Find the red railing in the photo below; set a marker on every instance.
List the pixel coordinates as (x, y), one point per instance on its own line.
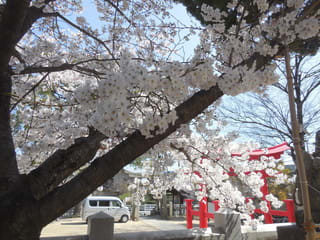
(289, 213)
(204, 215)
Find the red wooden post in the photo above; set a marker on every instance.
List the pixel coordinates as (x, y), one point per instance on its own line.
(216, 205)
(264, 189)
(203, 213)
(268, 216)
(290, 208)
(189, 212)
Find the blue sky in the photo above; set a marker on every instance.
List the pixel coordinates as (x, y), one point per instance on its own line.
(178, 11)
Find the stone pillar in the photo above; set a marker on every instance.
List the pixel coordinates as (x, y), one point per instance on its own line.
(170, 209)
(228, 223)
(135, 215)
(291, 232)
(100, 226)
(164, 207)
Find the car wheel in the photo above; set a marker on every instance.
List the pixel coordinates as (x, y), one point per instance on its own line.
(124, 219)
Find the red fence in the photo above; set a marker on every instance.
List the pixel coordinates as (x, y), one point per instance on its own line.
(204, 215)
(289, 213)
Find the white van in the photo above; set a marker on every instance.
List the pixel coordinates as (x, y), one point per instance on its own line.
(110, 205)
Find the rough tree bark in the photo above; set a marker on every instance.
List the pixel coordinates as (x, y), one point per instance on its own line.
(29, 202)
(31, 205)
(9, 29)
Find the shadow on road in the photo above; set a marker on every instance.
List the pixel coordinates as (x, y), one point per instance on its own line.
(73, 223)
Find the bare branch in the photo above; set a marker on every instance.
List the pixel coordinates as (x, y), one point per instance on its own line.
(86, 33)
(121, 13)
(182, 150)
(29, 91)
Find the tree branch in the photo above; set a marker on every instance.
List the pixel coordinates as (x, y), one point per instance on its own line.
(310, 90)
(109, 164)
(182, 150)
(119, 10)
(30, 90)
(63, 163)
(86, 33)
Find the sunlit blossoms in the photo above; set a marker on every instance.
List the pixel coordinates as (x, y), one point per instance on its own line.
(204, 164)
(87, 87)
(96, 78)
(124, 72)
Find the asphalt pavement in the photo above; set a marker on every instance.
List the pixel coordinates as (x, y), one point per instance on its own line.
(75, 226)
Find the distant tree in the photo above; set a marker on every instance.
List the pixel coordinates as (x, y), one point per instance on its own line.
(285, 190)
(302, 46)
(265, 117)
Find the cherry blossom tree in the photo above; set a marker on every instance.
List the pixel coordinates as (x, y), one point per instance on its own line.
(80, 100)
(204, 164)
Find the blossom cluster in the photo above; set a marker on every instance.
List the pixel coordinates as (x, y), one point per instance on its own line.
(203, 168)
(125, 75)
(244, 40)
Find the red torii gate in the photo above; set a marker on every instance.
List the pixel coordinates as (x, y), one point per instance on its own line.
(204, 215)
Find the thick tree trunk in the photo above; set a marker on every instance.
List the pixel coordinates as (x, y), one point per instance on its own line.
(35, 200)
(22, 229)
(30, 206)
(18, 210)
(20, 214)
(8, 165)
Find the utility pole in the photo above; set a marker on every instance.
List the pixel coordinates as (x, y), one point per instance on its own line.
(308, 221)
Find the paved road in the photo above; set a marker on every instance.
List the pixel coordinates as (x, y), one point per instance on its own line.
(75, 226)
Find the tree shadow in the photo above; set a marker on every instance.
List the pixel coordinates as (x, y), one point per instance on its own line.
(73, 223)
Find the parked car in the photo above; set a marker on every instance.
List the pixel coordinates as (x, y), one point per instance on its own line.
(112, 206)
